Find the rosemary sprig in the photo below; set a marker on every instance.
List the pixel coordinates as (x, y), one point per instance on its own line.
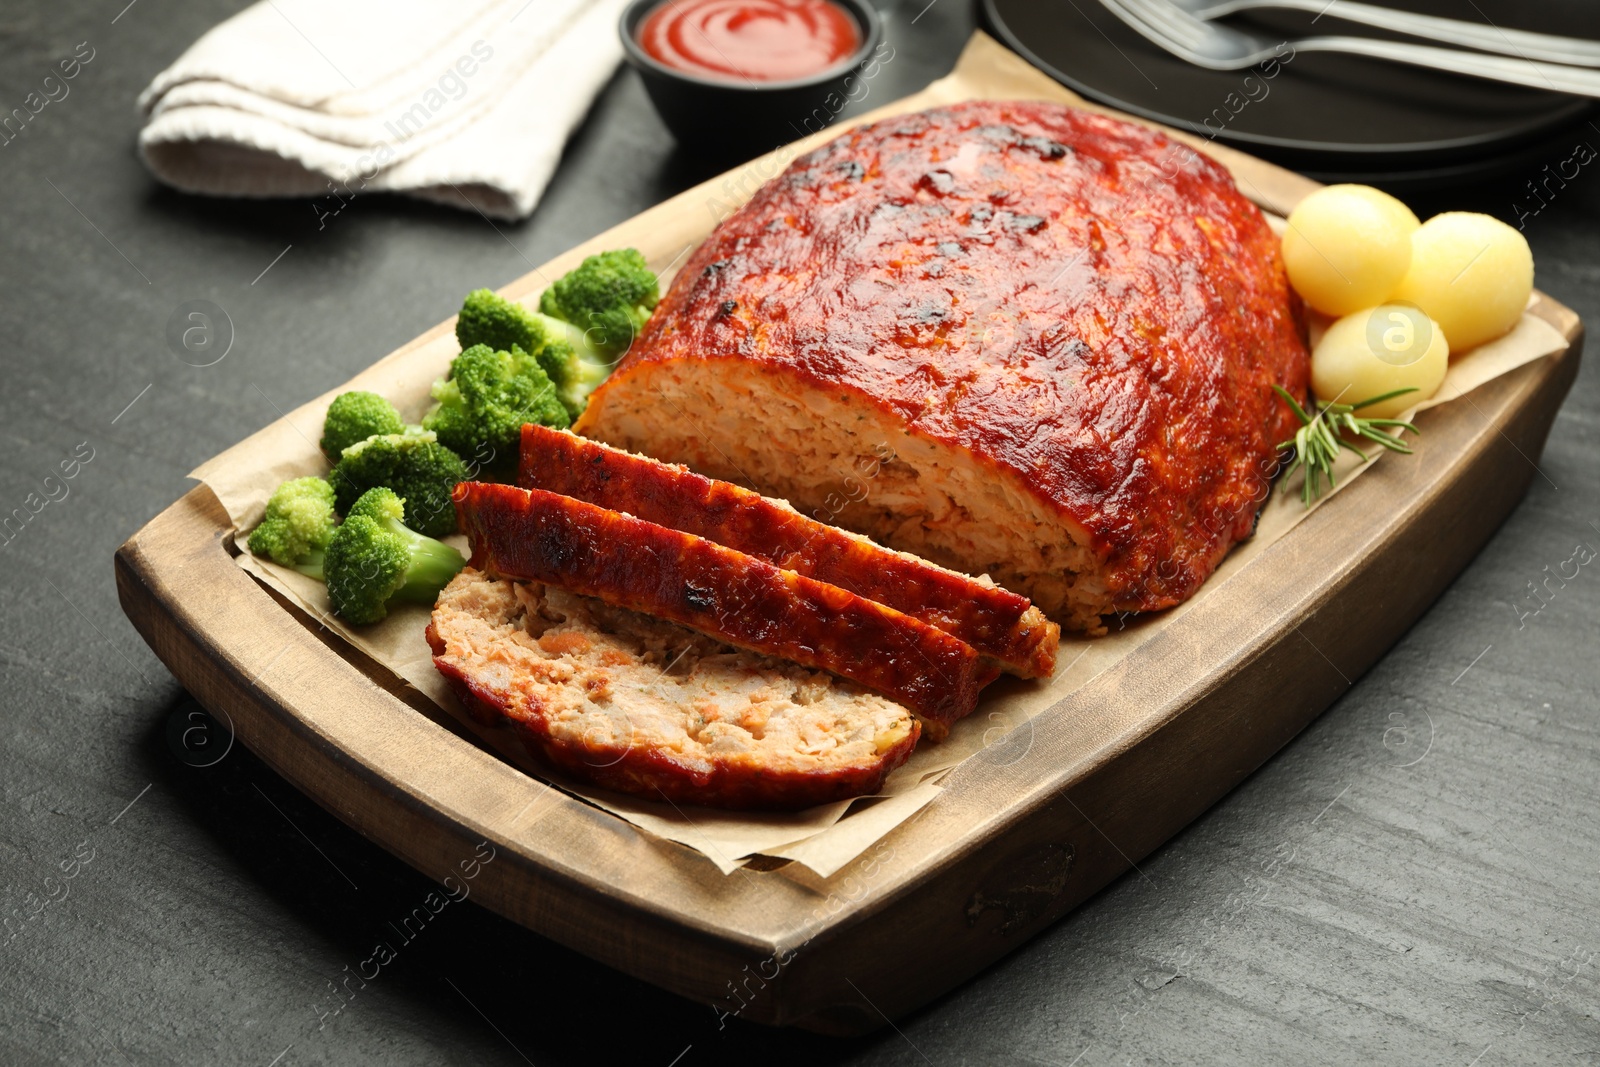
(1323, 435)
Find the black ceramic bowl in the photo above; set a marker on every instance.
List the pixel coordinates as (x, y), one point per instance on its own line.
(741, 118)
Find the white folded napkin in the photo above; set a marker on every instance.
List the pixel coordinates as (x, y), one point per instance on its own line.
(466, 103)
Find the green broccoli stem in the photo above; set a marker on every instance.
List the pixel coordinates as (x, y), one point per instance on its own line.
(591, 367)
(433, 564)
(590, 358)
(591, 372)
(311, 565)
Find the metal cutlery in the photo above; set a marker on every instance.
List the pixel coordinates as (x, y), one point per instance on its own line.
(1219, 47)
(1488, 38)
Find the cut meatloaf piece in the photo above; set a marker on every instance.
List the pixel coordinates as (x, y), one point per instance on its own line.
(1001, 625)
(1064, 327)
(641, 705)
(531, 535)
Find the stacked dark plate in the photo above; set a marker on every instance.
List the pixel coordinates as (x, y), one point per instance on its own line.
(1334, 117)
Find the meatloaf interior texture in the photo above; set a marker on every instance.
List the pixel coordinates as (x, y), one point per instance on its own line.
(1014, 338)
(638, 704)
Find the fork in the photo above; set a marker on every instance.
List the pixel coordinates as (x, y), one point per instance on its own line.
(1217, 47)
(1521, 43)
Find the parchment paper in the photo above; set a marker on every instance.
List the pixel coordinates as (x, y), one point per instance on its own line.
(826, 838)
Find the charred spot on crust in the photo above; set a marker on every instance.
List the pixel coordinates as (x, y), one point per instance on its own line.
(699, 599)
(1045, 147)
(938, 181)
(851, 169)
(559, 550)
(1009, 136)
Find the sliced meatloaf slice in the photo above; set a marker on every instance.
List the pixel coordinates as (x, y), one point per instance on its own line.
(641, 705)
(1001, 625)
(531, 535)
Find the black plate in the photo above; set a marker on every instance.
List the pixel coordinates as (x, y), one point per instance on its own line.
(1333, 116)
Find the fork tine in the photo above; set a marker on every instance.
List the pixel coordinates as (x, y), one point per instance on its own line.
(1136, 20)
(1219, 47)
(1174, 23)
(1175, 15)
(1178, 23)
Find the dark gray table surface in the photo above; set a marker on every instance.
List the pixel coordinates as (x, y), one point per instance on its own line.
(1412, 881)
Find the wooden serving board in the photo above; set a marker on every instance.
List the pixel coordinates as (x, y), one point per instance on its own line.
(1019, 836)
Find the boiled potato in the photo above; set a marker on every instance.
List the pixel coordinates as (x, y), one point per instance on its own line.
(1471, 274)
(1347, 247)
(1372, 352)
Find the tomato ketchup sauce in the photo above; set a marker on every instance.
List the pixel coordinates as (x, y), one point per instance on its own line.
(750, 40)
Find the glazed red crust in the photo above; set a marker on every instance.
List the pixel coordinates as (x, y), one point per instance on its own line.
(518, 730)
(532, 535)
(1132, 305)
(1001, 625)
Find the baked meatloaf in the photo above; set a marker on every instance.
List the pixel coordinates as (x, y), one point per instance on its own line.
(1063, 327)
(641, 705)
(1002, 626)
(532, 535)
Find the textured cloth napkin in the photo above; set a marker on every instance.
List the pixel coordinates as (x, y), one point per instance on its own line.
(467, 102)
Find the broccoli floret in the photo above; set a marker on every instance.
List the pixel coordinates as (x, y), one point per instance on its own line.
(374, 558)
(488, 319)
(356, 416)
(297, 526)
(415, 465)
(602, 305)
(488, 396)
(608, 297)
